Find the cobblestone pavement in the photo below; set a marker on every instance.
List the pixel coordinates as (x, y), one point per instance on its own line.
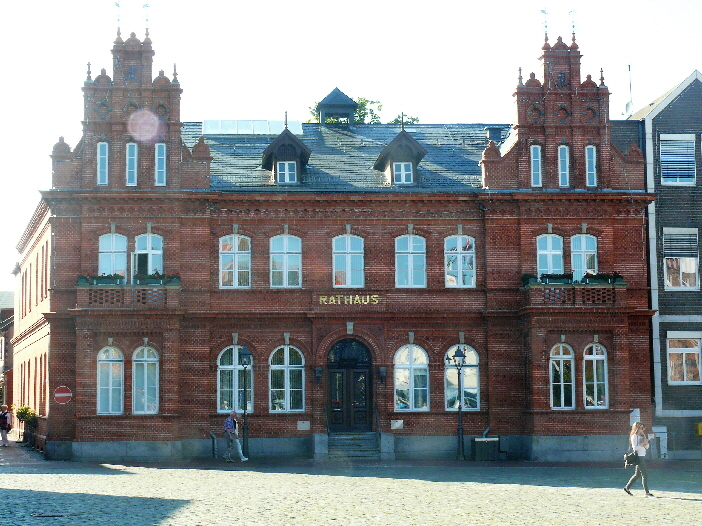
(303, 492)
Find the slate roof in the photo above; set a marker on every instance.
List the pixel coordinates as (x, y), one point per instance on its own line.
(343, 157)
(7, 299)
(624, 132)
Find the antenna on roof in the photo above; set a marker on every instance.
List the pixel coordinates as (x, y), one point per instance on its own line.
(572, 19)
(286, 120)
(118, 14)
(630, 104)
(402, 121)
(545, 13)
(146, 17)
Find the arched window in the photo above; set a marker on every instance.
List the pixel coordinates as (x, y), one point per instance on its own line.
(110, 384)
(459, 261)
(549, 254)
(595, 377)
(147, 257)
(562, 377)
(112, 258)
(410, 262)
(287, 379)
(583, 255)
(230, 381)
(145, 381)
(470, 373)
(411, 379)
(235, 262)
(286, 262)
(348, 261)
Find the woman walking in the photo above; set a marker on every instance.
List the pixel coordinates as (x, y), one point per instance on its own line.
(639, 443)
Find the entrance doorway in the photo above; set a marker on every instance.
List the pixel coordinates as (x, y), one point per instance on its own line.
(349, 403)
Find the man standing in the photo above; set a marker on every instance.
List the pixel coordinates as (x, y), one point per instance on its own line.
(231, 432)
(5, 424)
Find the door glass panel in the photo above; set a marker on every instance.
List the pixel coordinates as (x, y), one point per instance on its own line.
(359, 390)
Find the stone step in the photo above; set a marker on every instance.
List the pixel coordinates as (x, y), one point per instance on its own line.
(356, 445)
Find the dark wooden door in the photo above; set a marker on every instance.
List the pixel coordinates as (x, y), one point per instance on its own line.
(349, 399)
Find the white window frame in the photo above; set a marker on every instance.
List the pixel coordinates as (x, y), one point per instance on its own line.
(563, 166)
(459, 262)
(414, 260)
(535, 164)
(230, 380)
(348, 261)
(591, 166)
(470, 373)
(286, 172)
(562, 356)
(103, 152)
(403, 173)
(235, 261)
(107, 359)
(692, 336)
(677, 159)
(415, 368)
(288, 369)
(111, 258)
(553, 256)
(154, 256)
(289, 260)
(599, 378)
(132, 163)
(160, 160)
(583, 259)
(142, 367)
(681, 249)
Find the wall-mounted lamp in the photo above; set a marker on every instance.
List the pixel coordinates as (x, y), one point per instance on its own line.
(382, 373)
(318, 371)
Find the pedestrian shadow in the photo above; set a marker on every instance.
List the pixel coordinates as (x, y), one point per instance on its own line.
(42, 508)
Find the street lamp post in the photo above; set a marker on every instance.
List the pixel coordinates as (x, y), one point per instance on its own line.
(459, 360)
(245, 360)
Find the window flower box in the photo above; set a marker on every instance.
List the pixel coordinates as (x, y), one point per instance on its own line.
(557, 279)
(602, 277)
(155, 279)
(104, 279)
(529, 278)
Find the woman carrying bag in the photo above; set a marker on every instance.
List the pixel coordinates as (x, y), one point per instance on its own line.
(639, 443)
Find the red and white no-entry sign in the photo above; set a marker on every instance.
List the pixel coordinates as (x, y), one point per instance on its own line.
(62, 394)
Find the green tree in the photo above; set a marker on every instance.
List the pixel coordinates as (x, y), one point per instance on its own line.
(367, 112)
(407, 120)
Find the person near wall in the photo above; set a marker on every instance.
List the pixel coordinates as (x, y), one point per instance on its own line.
(5, 424)
(231, 432)
(639, 443)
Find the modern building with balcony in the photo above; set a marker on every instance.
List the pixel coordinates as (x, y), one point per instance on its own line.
(352, 261)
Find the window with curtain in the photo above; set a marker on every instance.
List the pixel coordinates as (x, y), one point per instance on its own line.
(680, 258)
(230, 381)
(562, 377)
(583, 255)
(677, 159)
(287, 380)
(684, 358)
(110, 385)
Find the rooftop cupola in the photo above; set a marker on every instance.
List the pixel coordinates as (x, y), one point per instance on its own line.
(337, 107)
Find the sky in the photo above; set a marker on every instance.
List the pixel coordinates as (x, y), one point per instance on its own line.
(445, 61)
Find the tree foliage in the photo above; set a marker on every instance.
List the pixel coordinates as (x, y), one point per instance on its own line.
(367, 112)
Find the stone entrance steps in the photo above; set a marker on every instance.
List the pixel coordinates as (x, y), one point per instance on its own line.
(354, 445)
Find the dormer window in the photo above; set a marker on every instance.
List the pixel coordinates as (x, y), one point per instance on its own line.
(286, 172)
(402, 173)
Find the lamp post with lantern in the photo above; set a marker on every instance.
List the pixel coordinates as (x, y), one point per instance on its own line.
(458, 361)
(245, 358)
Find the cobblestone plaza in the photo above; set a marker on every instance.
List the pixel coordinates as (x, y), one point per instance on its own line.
(37, 492)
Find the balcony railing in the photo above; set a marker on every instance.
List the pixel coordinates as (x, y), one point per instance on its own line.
(569, 294)
(128, 296)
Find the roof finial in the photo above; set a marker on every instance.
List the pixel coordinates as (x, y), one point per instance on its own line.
(146, 18)
(402, 121)
(602, 77)
(545, 13)
(286, 120)
(119, 11)
(89, 78)
(520, 77)
(175, 73)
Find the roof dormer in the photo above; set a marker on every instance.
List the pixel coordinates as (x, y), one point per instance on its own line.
(286, 157)
(337, 107)
(400, 158)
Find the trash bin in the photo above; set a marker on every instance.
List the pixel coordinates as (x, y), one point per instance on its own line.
(486, 448)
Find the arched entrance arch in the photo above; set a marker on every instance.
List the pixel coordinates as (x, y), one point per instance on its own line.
(349, 396)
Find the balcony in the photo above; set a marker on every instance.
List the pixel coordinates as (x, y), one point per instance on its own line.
(128, 296)
(576, 294)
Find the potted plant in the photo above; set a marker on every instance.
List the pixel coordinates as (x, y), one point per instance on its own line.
(150, 279)
(28, 416)
(529, 278)
(83, 280)
(172, 278)
(566, 277)
(602, 277)
(107, 279)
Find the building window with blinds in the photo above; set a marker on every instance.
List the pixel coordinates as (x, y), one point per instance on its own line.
(680, 258)
(678, 159)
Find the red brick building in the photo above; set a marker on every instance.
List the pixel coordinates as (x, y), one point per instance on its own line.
(352, 261)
